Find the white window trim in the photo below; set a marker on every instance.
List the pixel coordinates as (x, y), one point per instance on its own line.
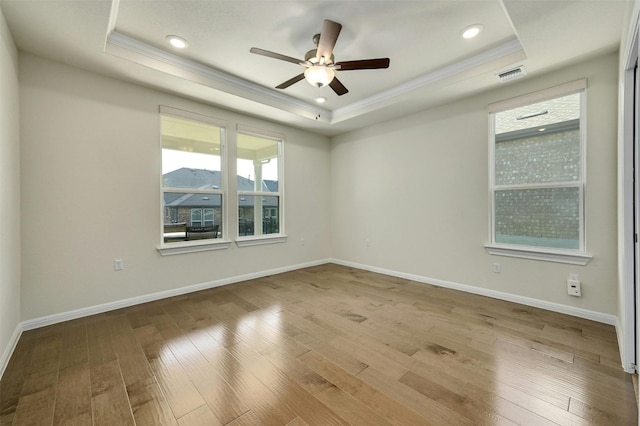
(182, 247)
(576, 257)
(548, 255)
(281, 237)
(539, 96)
(259, 240)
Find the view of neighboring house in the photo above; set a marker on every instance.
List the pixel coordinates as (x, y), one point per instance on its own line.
(205, 210)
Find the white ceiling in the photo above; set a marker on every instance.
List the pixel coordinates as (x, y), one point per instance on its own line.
(430, 62)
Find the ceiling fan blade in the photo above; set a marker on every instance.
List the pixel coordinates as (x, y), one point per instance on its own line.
(363, 64)
(338, 87)
(328, 38)
(291, 81)
(274, 55)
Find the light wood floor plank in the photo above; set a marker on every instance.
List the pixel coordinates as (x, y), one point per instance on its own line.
(326, 345)
(479, 361)
(239, 377)
(470, 408)
(465, 369)
(73, 397)
(394, 411)
(37, 399)
(201, 416)
(14, 377)
(432, 411)
(110, 403)
(222, 400)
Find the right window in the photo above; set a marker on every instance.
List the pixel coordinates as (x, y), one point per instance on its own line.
(259, 168)
(537, 176)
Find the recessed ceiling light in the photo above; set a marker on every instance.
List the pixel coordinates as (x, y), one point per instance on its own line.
(321, 100)
(472, 31)
(177, 42)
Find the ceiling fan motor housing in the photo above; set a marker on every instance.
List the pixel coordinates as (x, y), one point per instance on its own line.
(311, 56)
(320, 62)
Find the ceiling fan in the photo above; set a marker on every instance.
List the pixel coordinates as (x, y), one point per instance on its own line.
(320, 62)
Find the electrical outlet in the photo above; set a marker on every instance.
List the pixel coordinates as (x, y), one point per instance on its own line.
(368, 242)
(497, 268)
(301, 241)
(118, 265)
(573, 286)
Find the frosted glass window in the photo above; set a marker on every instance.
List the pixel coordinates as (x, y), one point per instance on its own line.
(537, 178)
(552, 156)
(547, 217)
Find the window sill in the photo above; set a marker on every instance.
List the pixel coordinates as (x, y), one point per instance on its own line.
(263, 239)
(550, 255)
(192, 246)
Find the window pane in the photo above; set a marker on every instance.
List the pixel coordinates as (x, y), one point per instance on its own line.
(540, 158)
(196, 217)
(190, 154)
(191, 159)
(208, 217)
(192, 216)
(257, 164)
(539, 114)
(258, 215)
(538, 143)
(538, 217)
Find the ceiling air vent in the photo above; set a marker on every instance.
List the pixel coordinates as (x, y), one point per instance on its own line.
(511, 74)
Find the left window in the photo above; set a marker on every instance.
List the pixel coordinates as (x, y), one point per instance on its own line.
(193, 183)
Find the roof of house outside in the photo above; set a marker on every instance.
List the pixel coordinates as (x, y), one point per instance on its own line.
(209, 179)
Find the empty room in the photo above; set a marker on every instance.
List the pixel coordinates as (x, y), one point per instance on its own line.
(307, 212)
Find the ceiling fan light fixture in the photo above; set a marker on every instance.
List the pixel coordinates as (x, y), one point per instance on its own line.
(319, 63)
(472, 31)
(177, 41)
(319, 75)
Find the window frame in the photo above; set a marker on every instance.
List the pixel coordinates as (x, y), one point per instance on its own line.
(180, 247)
(203, 216)
(280, 237)
(572, 256)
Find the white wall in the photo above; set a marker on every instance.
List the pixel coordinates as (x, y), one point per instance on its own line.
(9, 194)
(417, 189)
(91, 194)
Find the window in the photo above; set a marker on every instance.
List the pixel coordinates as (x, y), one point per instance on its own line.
(202, 217)
(193, 179)
(537, 175)
(259, 163)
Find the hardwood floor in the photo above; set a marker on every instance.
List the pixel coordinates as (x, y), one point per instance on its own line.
(327, 345)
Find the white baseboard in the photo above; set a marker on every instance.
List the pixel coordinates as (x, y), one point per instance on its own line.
(523, 300)
(106, 307)
(8, 350)
(92, 310)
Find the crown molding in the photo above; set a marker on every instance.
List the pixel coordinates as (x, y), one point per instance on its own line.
(464, 66)
(129, 48)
